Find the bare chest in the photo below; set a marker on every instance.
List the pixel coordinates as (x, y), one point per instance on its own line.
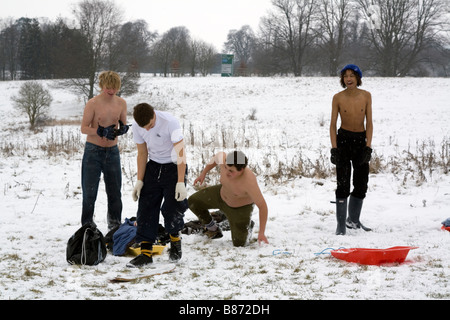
(353, 106)
(107, 114)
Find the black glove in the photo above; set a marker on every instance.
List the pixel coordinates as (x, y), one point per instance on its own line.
(108, 132)
(123, 128)
(335, 155)
(366, 155)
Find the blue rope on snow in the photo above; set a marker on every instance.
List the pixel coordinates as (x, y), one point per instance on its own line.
(322, 252)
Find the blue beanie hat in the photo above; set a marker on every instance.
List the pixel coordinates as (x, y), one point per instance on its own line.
(354, 68)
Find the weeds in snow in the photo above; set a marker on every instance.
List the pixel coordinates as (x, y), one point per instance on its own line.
(273, 163)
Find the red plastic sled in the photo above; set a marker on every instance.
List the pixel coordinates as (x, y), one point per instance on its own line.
(445, 228)
(373, 256)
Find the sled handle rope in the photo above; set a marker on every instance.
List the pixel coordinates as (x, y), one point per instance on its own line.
(323, 251)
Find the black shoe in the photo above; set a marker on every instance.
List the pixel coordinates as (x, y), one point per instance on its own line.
(175, 251)
(141, 260)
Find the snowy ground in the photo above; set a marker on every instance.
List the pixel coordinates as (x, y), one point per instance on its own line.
(405, 205)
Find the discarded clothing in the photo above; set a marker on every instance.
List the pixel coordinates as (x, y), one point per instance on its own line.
(124, 237)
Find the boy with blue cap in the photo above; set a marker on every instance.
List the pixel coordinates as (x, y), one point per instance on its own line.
(351, 146)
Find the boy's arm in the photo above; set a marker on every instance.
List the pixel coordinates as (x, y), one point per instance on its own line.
(142, 158)
(180, 188)
(258, 199)
(181, 160)
(88, 117)
(333, 122)
(369, 123)
(217, 159)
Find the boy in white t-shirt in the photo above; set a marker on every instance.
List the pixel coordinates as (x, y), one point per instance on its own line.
(161, 174)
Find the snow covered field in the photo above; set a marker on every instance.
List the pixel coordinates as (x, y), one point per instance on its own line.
(279, 123)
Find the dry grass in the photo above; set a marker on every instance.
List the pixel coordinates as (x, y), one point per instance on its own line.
(59, 138)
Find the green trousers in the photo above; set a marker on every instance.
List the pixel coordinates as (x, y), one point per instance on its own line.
(239, 218)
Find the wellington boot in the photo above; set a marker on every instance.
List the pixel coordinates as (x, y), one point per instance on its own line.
(341, 214)
(354, 212)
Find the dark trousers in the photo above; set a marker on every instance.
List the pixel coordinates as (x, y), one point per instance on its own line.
(159, 184)
(351, 146)
(239, 218)
(95, 161)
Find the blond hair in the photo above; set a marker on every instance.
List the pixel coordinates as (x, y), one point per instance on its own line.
(109, 80)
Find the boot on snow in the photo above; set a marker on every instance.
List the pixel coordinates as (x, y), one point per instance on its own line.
(175, 252)
(341, 214)
(354, 212)
(145, 258)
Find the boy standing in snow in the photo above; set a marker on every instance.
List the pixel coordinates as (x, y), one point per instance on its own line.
(351, 145)
(161, 174)
(104, 118)
(236, 195)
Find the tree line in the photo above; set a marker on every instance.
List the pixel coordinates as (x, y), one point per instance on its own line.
(387, 38)
(295, 37)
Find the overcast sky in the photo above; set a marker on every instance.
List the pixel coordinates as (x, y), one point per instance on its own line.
(208, 20)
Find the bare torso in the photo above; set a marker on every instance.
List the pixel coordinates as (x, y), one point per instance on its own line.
(352, 109)
(234, 191)
(103, 111)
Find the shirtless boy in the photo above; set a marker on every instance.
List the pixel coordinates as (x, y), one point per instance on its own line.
(236, 196)
(104, 119)
(351, 145)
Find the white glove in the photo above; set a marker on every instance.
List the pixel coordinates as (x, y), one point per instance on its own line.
(180, 191)
(137, 190)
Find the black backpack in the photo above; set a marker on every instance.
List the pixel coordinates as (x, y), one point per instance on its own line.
(87, 246)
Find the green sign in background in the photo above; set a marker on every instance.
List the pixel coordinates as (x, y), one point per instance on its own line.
(227, 65)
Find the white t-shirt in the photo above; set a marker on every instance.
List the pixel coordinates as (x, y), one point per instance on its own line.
(161, 138)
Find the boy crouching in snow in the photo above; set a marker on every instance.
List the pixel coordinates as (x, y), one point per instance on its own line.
(236, 196)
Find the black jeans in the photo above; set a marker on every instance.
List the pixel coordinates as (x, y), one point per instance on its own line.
(159, 184)
(351, 146)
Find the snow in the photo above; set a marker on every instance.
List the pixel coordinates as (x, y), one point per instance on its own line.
(41, 194)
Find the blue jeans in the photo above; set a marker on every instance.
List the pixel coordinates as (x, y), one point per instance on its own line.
(159, 184)
(95, 161)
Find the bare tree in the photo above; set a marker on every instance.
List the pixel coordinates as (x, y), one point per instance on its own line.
(194, 51)
(128, 48)
(97, 19)
(292, 25)
(34, 100)
(402, 31)
(201, 57)
(269, 56)
(334, 16)
(171, 51)
(160, 55)
(241, 42)
(206, 58)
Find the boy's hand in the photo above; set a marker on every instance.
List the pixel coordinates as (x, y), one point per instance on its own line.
(366, 155)
(180, 191)
(137, 190)
(108, 132)
(334, 156)
(123, 128)
(262, 238)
